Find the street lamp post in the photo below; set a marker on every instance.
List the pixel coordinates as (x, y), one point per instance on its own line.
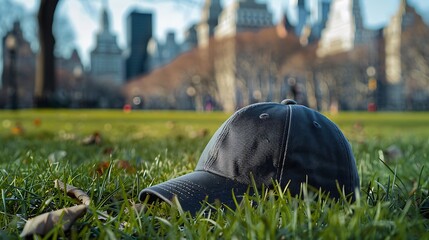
(372, 87)
(11, 45)
(78, 87)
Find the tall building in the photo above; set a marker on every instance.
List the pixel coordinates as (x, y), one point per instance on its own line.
(285, 26)
(160, 54)
(395, 84)
(322, 12)
(71, 82)
(191, 38)
(240, 16)
(107, 63)
(18, 69)
(344, 28)
(139, 33)
(171, 47)
(310, 21)
(302, 17)
(209, 20)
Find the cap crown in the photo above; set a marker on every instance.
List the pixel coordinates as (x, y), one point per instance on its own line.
(287, 143)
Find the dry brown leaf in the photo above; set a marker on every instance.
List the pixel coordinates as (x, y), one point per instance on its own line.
(393, 153)
(125, 165)
(44, 223)
(119, 164)
(73, 191)
(37, 122)
(18, 129)
(93, 139)
(108, 150)
(138, 208)
(102, 167)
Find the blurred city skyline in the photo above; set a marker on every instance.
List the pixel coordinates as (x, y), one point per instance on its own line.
(177, 16)
(333, 55)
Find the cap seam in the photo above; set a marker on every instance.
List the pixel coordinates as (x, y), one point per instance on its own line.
(221, 137)
(223, 134)
(344, 147)
(289, 117)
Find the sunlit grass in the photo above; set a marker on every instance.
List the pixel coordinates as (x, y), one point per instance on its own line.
(115, 123)
(48, 145)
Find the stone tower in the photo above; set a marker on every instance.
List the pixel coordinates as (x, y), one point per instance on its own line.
(344, 28)
(209, 20)
(106, 58)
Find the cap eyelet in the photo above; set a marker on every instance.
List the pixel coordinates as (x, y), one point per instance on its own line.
(316, 124)
(264, 116)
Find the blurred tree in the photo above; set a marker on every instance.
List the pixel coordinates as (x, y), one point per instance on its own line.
(45, 70)
(11, 11)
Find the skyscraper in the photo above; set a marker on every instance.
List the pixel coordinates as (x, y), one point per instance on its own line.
(106, 59)
(323, 11)
(191, 38)
(302, 17)
(209, 20)
(344, 28)
(139, 32)
(18, 69)
(162, 53)
(395, 82)
(240, 16)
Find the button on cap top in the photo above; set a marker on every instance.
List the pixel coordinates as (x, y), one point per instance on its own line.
(288, 102)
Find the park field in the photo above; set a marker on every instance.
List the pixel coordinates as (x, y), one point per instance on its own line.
(111, 155)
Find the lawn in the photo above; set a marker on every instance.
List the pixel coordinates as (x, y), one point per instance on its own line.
(129, 151)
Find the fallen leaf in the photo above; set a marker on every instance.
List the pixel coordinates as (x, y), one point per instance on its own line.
(73, 191)
(108, 151)
(125, 165)
(44, 223)
(203, 132)
(393, 153)
(119, 164)
(138, 208)
(56, 156)
(17, 129)
(170, 124)
(93, 139)
(103, 216)
(37, 122)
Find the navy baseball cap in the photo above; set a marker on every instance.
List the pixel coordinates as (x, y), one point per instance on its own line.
(288, 143)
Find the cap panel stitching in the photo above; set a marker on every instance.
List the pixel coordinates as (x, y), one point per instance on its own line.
(168, 190)
(287, 143)
(223, 134)
(283, 145)
(193, 184)
(214, 152)
(175, 188)
(342, 140)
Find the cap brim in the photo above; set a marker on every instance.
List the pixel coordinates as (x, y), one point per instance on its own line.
(194, 188)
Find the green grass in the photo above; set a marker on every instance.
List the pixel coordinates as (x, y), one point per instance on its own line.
(393, 200)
